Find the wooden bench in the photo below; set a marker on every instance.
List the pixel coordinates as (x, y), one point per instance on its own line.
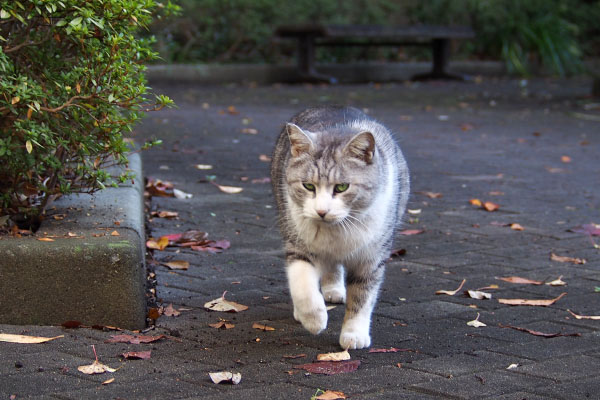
(312, 35)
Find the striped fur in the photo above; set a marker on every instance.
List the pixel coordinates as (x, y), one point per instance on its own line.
(336, 240)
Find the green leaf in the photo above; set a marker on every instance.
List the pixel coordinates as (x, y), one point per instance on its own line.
(62, 22)
(76, 21)
(4, 14)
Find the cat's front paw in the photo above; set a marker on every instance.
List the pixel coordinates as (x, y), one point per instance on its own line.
(313, 319)
(334, 294)
(355, 337)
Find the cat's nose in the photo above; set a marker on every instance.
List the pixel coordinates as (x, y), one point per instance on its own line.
(321, 213)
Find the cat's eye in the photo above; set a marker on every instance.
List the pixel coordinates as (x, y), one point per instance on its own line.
(341, 187)
(309, 186)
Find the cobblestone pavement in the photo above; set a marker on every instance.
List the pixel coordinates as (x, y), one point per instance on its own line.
(532, 149)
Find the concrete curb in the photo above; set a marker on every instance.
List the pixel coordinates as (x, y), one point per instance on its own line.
(346, 73)
(94, 277)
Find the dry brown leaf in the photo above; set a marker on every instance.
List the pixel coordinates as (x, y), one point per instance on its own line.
(177, 264)
(476, 202)
(225, 377)
(330, 367)
(250, 131)
(165, 214)
(45, 239)
(431, 195)
(564, 259)
(137, 355)
(538, 333)
(108, 381)
(134, 339)
(115, 233)
(557, 282)
(531, 302)
(478, 294)
(410, 232)
(264, 158)
(95, 368)
(490, 206)
(565, 159)
(180, 194)
(262, 327)
(339, 356)
(159, 244)
(516, 279)
(476, 323)
(223, 305)
(331, 395)
(203, 166)
(169, 311)
(592, 317)
(222, 325)
(7, 337)
(516, 227)
(451, 292)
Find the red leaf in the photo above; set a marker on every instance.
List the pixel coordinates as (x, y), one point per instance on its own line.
(330, 367)
(538, 333)
(137, 355)
(134, 339)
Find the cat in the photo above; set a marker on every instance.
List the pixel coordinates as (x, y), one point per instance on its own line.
(341, 185)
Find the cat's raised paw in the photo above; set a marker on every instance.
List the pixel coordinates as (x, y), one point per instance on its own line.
(354, 339)
(334, 294)
(313, 321)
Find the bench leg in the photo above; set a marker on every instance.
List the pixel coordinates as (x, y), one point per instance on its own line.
(441, 51)
(306, 61)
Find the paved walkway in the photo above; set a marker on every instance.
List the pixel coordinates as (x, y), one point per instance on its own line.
(533, 150)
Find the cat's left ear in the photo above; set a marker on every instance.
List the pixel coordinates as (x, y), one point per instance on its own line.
(300, 142)
(361, 146)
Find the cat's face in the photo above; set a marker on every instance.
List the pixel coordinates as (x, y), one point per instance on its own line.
(331, 178)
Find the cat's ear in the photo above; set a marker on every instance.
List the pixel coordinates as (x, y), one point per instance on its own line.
(300, 142)
(361, 146)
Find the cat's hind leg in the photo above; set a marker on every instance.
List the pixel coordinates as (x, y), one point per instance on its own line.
(362, 286)
(332, 284)
(309, 306)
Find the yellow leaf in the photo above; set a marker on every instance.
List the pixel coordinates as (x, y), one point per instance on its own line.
(29, 113)
(29, 146)
(15, 100)
(339, 356)
(78, 87)
(7, 337)
(262, 327)
(531, 302)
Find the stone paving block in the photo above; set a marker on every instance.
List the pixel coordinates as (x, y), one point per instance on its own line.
(577, 389)
(49, 382)
(562, 369)
(474, 386)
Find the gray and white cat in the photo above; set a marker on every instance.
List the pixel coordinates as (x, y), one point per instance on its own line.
(341, 185)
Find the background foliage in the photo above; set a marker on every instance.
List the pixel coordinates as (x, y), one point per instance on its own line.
(527, 34)
(71, 84)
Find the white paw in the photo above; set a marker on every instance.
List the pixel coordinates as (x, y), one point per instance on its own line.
(334, 294)
(313, 319)
(355, 338)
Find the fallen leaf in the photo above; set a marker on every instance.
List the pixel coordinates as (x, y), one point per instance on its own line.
(331, 395)
(134, 339)
(589, 229)
(169, 311)
(137, 355)
(390, 350)
(159, 244)
(180, 194)
(153, 313)
(476, 202)
(398, 252)
(262, 327)
(164, 214)
(410, 232)
(565, 159)
(330, 367)
(414, 212)
(95, 368)
(538, 333)
(177, 264)
(223, 305)
(159, 188)
(531, 302)
(516, 227)
(516, 279)
(512, 366)
(71, 324)
(490, 206)
(250, 131)
(203, 166)
(225, 377)
(292, 357)
(451, 292)
(554, 170)
(228, 189)
(44, 239)
(266, 179)
(476, 323)
(339, 356)
(565, 259)
(478, 294)
(431, 195)
(264, 158)
(232, 110)
(7, 337)
(222, 325)
(108, 381)
(115, 233)
(557, 282)
(592, 317)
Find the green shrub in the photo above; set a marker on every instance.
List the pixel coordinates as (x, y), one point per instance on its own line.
(71, 84)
